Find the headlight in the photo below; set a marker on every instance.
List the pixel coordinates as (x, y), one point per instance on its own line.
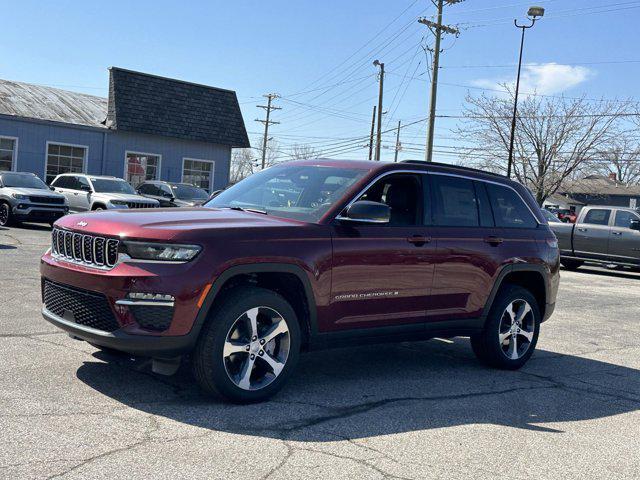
(19, 196)
(120, 203)
(160, 251)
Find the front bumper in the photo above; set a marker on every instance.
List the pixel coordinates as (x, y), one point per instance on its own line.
(30, 212)
(143, 345)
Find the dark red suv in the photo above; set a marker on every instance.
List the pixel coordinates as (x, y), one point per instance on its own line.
(307, 255)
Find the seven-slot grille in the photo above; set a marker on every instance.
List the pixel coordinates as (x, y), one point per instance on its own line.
(88, 250)
(49, 200)
(141, 205)
(79, 306)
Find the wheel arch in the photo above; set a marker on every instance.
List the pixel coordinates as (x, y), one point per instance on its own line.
(288, 280)
(529, 276)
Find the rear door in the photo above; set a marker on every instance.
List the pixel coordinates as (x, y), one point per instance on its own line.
(624, 243)
(62, 185)
(470, 248)
(591, 234)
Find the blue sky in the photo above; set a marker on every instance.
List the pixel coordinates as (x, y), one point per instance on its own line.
(318, 56)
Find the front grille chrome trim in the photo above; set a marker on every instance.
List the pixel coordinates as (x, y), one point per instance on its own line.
(86, 250)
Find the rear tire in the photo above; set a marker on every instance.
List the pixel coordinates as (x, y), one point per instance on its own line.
(249, 346)
(571, 264)
(511, 330)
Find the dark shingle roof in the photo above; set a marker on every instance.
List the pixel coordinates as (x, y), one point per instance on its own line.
(139, 102)
(46, 103)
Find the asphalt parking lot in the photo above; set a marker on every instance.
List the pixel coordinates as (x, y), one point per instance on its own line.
(413, 410)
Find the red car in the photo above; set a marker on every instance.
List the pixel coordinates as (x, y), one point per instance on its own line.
(567, 216)
(307, 255)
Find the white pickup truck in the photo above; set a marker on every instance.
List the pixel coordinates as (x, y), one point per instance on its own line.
(608, 235)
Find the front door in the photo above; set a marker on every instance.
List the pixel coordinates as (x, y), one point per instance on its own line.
(382, 273)
(624, 243)
(591, 235)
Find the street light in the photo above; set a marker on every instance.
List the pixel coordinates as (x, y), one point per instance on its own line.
(533, 14)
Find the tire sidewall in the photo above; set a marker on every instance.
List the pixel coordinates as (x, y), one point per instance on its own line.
(211, 345)
(7, 207)
(491, 341)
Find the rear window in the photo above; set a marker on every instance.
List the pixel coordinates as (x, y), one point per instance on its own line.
(509, 210)
(597, 216)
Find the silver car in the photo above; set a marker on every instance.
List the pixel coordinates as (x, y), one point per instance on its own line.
(94, 192)
(26, 198)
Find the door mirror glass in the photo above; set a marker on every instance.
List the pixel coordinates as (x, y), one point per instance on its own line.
(85, 188)
(634, 225)
(367, 212)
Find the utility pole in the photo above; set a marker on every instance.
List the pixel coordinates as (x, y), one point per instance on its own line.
(437, 29)
(398, 145)
(379, 133)
(268, 107)
(373, 125)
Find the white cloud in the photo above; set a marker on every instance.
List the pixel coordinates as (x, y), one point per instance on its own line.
(544, 78)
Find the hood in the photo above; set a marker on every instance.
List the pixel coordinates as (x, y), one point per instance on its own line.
(127, 197)
(188, 203)
(171, 223)
(34, 191)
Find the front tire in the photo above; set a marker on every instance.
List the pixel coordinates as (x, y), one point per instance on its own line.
(6, 217)
(249, 346)
(511, 331)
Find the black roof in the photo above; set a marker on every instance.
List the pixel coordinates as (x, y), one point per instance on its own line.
(455, 167)
(144, 103)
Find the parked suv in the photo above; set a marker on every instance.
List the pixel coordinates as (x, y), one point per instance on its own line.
(171, 194)
(24, 197)
(306, 255)
(93, 192)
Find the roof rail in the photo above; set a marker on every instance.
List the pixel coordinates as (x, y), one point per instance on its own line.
(448, 165)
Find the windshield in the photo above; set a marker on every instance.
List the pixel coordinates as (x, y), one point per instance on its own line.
(301, 192)
(22, 181)
(189, 192)
(106, 185)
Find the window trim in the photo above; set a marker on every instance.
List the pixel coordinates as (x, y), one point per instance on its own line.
(213, 169)
(14, 156)
(134, 152)
(85, 160)
(430, 172)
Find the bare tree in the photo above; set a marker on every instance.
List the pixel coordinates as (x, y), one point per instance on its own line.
(621, 156)
(302, 152)
(246, 161)
(555, 138)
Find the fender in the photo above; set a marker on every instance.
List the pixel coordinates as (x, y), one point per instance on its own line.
(212, 295)
(506, 270)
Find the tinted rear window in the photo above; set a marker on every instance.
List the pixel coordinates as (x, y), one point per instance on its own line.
(455, 202)
(509, 210)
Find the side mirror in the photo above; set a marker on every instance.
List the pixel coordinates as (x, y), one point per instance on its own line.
(85, 188)
(51, 187)
(634, 225)
(365, 211)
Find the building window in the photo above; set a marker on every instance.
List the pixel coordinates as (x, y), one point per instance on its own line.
(140, 167)
(63, 158)
(7, 153)
(198, 172)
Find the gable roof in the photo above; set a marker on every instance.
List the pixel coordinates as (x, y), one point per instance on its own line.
(599, 185)
(47, 103)
(139, 102)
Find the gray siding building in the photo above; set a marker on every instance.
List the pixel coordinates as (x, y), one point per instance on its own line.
(150, 127)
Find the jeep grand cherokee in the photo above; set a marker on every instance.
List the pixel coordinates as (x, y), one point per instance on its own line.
(306, 255)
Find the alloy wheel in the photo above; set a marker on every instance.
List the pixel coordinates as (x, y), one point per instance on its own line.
(4, 214)
(517, 327)
(256, 348)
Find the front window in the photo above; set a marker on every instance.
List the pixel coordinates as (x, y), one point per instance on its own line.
(597, 217)
(189, 192)
(64, 159)
(7, 153)
(18, 180)
(198, 172)
(624, 218)
(301, 192)
(108, 185)
(141, 167)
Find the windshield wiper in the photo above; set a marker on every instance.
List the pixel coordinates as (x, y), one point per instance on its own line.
(248, 209)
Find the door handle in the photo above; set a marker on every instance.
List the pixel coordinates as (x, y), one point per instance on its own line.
(582, 229)
(75, 194)
(418, 240)
(494, 241)
(617, 233)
